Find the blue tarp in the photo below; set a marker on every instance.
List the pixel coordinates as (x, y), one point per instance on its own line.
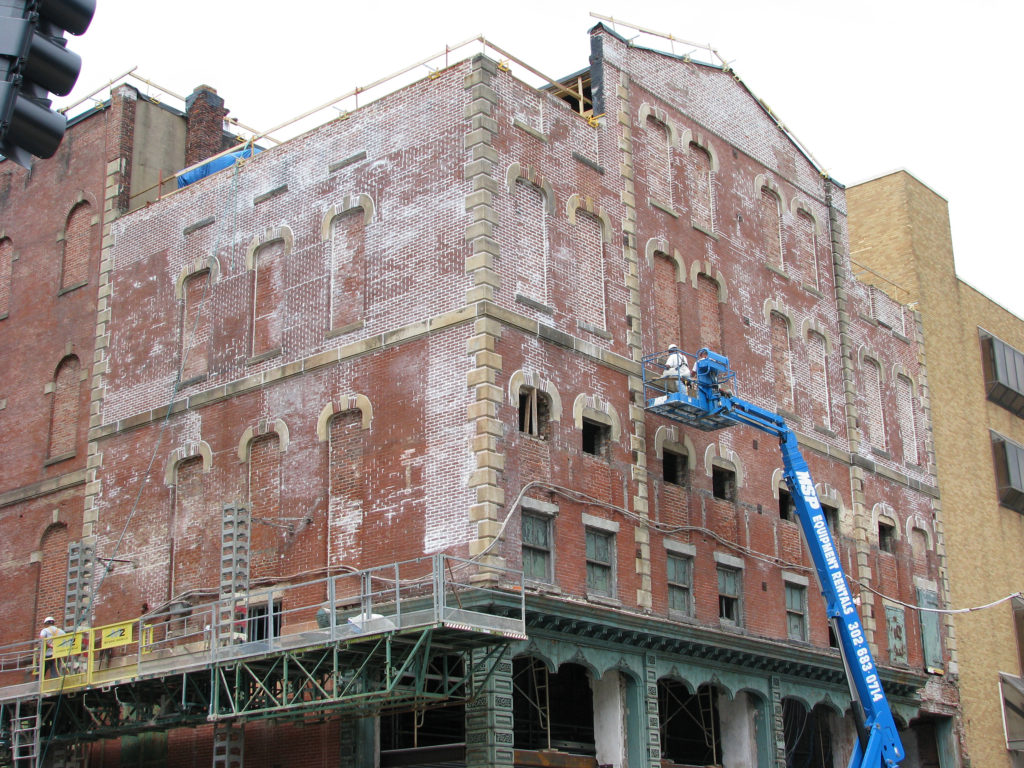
(217, 164)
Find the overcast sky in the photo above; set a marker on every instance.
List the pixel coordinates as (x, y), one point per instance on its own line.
(868, 87)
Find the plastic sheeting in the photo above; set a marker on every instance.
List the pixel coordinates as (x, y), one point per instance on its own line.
(217, 164)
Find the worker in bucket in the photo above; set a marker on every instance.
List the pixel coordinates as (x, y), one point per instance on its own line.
(49, 631)
(676, 368)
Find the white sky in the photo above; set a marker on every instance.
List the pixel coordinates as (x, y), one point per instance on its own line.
(867, 87)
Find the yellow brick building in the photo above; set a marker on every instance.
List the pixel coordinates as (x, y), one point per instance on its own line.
(900, 242)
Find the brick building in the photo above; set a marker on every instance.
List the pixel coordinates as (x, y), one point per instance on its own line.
(417, 332)
(900, 234)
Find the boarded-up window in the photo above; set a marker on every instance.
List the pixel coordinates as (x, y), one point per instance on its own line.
(268, 298)
(346, 484)
(667, 321)
(195, 326)
(782, 363)
(65, 408)
(700, 178)
(588, 280)
(806, 248)
(536, 547)
(821, 409)
(265, 505)
(657, 155)
(77, 236)
(530, 233)
(600, 562)
(710, 314)
(931, 641)
(679, 575)
(874, 425)
(6, 269)
(897, 632)
(348, 273)
(771, 228)
(906, 413)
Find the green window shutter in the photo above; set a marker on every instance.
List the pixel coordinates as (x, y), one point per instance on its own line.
(931, 642)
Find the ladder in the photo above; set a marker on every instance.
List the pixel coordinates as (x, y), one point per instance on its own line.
(25, 733)
(228, 745)
(234, 568)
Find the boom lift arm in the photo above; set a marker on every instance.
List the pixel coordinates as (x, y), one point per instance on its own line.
(707, 402)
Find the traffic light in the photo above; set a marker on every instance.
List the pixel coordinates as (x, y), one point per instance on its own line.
(34, 63)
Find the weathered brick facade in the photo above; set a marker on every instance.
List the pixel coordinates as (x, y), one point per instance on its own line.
(345, 334)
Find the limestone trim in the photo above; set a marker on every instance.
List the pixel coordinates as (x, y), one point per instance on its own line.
(865, 353)
(210, 264)
(777, 483)
(829, 495)
(701, 140)
(658, 114)
(81, 196)
(598, 409)
(660, 245)
(721, 456)
(764, 181)
(184, 452)
(811, 325)
(897, 371)
(576, 202)
(777, 307)
(916, 522)
(530, 175)
(271, 235)
(799, 205)
(348, 203)
(668, 437)
(521, 378)
(260, 429)
(699, 268)
(352, 402)
(884, 513)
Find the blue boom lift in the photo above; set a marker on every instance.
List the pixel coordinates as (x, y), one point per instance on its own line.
(707, 402)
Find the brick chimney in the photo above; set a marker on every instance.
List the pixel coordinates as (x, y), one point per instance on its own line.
(205, 113)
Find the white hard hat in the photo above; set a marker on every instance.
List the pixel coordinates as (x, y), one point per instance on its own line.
(672, 346)
(49, 620)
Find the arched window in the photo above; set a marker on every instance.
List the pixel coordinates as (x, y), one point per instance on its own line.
(807, 248)
(268, 298)
(700, 178)
(6, 269)
(817, 357)
(348, 269)
(195, 326)
(192, 538)
(588, 280)
(874, 425)
(530, 236)
(667, 306)
(710, 311)
(782, 363)
(657, 153)
(346, 485)
(265, 505)
(64, 409)
(77, 236)
(906, 414)
(771, 227)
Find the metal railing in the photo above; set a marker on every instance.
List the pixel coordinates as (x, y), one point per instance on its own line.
(438, 591)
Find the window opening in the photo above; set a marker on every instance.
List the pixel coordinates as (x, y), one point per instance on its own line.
(723, 483)
(259, 625)
(787, 507)
(595, 437)
(831, 514)
(675, 467)
(729, 593)
(600, 559)
(679, 575)
(536, 547)
(796, 612)
(886, 537)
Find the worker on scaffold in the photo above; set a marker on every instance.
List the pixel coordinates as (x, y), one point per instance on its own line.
(49, 631)
(676, 369)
